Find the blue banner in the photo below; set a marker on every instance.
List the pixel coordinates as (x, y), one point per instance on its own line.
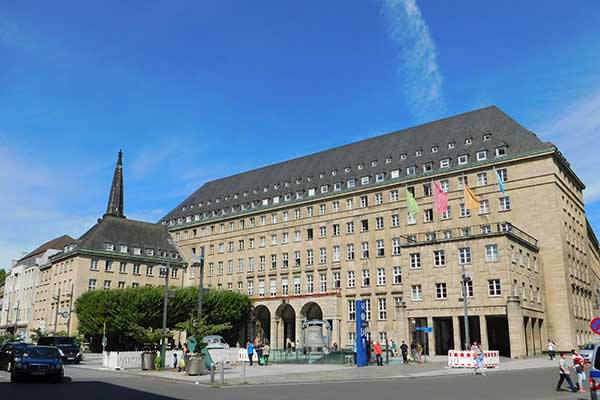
(361, 333)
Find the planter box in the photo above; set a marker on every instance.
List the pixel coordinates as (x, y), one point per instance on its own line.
(194, 365)
(148, 361)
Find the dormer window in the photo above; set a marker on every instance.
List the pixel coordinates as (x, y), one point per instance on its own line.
(481, 155)
(388, 160)
(217, 200)
(463, 159)
(188, 218)
(403, 156)
(427, 167)
(411, 170)
(434, 149)
(275, 200)
(255, 191)
(123, 249)
(360, 166)
(109, 246)
(235, 196)
(374, 163)
(468, 141)
(312, 191)
(364, 180)
(395, 173)
(379, 177)
(183, 208)
(298, 195)
(288, 197)
(501, 151)
(351, 183)
(487, 136)
(137, 251)
(324, 189)
(149, 252)
(347, 169)
(266, 189)
(445, 163)
(418, 153)
(286, 184)
(245, 194)
(451, 145)
(265, 202)
(337, 186)
(298, 181)
(309, 178)
(276, 186)
(334, 172)
(321, 175)
(180, 220)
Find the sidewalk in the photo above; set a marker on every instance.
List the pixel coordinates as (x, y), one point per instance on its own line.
(281, 374)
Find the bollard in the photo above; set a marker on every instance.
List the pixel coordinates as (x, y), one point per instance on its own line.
(222, 373)
(243, 372)
(212, 374)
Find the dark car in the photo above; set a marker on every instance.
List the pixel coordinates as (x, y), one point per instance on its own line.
(68, 346)
(7, 354)
(37, 361)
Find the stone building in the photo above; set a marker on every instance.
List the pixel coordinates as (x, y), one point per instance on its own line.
(308, 237)
(20, 287)
(115, 253)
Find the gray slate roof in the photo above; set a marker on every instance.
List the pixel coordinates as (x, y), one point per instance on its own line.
(121, 231)
(58, 243)
(504, 131)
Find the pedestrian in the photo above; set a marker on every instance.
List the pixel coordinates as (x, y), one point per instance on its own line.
(404, 350)
(419, 352)
(413, 351)
(551, 349)
(579, 367)
(369, 347)
(479, 362)
(564, 374)
(258, 348)
(377, 350)
(288, 346)
(474, 346)
(175, 361)
(265, 353)
(250, 351)
(393, 348)
(186, 350)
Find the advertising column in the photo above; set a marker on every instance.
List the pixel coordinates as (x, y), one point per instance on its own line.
(361, 333)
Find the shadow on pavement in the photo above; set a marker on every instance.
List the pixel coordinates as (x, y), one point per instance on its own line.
(86, 390)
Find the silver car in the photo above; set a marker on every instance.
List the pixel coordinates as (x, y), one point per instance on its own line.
(587, 350)
(215, 342)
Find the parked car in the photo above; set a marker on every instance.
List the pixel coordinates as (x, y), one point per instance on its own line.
(68, 347)
(215, 342)
(587, 350)
(7, 354)
(37, 361)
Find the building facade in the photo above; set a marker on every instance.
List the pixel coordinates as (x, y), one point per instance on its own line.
(115, 253)
(308, 237)
(20, 287)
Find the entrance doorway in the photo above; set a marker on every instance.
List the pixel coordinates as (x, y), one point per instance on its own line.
(497, 327)
(262, 323)
(288, 321)
(420, 337)
(444, 335)
(474, 331)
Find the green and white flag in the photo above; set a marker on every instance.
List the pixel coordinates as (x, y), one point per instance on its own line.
(411, 203)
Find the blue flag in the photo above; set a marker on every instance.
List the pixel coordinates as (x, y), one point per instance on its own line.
(500, 182)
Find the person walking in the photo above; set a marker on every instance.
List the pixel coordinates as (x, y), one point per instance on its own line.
(579, 367)
(404, 351)
(250, 351)
(369, 347)
(175, 361)
(551, 350)
(377, 350)
(413, 351)
(258, 348)
(393, 348)
(266, 350)
(564, 374)
(479, 362)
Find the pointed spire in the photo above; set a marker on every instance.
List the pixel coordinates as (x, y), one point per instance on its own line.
(115, 200)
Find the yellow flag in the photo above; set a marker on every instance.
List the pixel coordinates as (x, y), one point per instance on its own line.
(470, 199)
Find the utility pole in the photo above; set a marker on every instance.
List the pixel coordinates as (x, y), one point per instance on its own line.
(201, 286)
(465, 279)
(56, 314)
(71, 295)
(16, 317)
(163, 350)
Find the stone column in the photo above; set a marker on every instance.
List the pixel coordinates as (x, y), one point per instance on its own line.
(431, 337)
(274, 332)
(529, 335)
(299, 342)
(485, 345)
(514, 314)
(280, 333)
(456, 330)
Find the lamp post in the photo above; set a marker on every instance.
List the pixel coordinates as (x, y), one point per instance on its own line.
(16, 318)
(70, 295)
(57, 298)
(200, 265)
(163, 349)
(465, 278)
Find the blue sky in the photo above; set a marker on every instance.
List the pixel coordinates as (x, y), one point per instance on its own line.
(193, 91)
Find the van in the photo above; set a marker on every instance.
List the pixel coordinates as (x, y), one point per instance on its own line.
(595, 374)
(68, 347)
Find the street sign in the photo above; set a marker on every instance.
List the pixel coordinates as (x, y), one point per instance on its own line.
(595, 325)
(427, 329)
(64, 314)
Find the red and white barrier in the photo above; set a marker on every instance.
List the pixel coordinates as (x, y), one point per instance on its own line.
(467, 359)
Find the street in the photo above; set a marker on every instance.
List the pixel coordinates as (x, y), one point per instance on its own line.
(93, 384)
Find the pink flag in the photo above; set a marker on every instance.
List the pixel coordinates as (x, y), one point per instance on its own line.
(441, 199)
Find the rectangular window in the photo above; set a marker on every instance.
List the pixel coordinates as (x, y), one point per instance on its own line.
(364, 202)
(484, 207)
(494, 287)
(309, 257)
(297, 285)
(366, 280)
(322, 209)
(503, 173)
(285, 260)
(448, 213)
(416, 293)
(336, 229)
(136, 269)
(365, 249)
(273, 288)
(481, 155)
(350, 251)
(273, 261)
(411, 219)
(309, 211)
(464, 211)
(322, 255)
(309, 233)
(378, 198)
(297, 213)
(261, 288)
(297, 261)
(463, 159)
(482, 179)
(428, 215)
(427, 189)
(441, 291)
(250, 288)
(284, 287)
(382, 308)
(368, 310)
(351, 310)
(108, 267)
(394, 195)
(397, 275)
(337, 281)
(336, 253)
(335, 206)
(92, 284)
(462, 182)
(349, 204)
(106, 285)
(323, 231)
(464, 255)
(491, 252)
(261, 263)
(445, 163)
(415, 260)
(297, 236)
(504, 203)
(349, 227)
(380, 276)
(378, 222)
(396, 246)
(445, 185)
(285, 238)
(310, 284)
(439, 258)
(323, 282)
(123, 268)
(94, 265)
(380, 248)
(395, 220)
(351, 279)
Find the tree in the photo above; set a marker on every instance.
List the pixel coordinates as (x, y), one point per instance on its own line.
(2, 276)
(199, 328)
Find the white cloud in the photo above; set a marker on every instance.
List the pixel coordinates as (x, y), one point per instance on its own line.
(417, 58)
(576, 132)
